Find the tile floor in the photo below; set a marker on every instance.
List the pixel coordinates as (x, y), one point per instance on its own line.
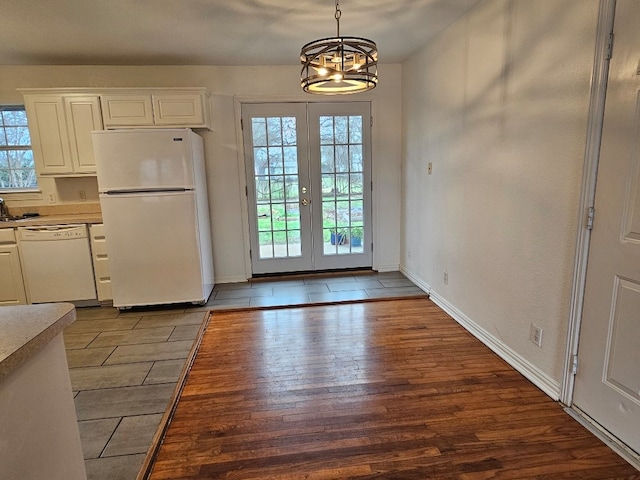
(125, 365)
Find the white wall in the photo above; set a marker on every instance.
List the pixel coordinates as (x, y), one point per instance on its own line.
(221, 146)
(498, 103)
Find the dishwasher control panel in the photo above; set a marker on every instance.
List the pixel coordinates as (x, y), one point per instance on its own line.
(59, 232)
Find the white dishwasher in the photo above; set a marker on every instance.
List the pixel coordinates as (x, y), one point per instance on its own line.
(56, 263)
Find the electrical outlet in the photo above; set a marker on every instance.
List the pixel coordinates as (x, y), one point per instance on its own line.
(446, 277)
(408, 253)
(535, 335)
(52, 198)
(430, 168)
(82, 195)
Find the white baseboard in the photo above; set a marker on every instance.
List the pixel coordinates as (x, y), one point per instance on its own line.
(388, 268)
(536, 376)
(230, 279)
(425, 287)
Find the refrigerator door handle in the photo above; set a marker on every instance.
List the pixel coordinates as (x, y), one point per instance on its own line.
(146, 190)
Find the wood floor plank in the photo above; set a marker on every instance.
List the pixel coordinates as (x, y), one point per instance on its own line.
(378, 390)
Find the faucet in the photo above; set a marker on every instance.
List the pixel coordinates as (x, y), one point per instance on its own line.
(4, 211)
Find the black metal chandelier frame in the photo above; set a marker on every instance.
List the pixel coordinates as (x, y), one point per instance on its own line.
(339, 65)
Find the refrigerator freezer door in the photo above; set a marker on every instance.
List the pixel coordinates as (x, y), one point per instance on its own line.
(153, 248)
(144, 159)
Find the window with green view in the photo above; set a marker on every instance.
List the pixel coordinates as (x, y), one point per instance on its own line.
(17, 169)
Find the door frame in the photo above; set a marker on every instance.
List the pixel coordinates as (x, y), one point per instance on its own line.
(599, 83)
(238, 101)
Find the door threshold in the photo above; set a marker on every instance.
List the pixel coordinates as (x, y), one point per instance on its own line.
(263, 277)
(604, 435)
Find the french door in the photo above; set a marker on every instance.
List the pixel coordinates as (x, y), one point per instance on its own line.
(308, 172)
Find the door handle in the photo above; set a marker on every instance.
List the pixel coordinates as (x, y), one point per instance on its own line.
(305, 202)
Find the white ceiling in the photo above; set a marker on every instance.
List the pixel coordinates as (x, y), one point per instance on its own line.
(209, 32)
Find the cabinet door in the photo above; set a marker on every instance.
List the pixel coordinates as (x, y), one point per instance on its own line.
(126, 110)
(49, 137)
(179, 110)
(83, 115)
(11, 284)
(100, 262)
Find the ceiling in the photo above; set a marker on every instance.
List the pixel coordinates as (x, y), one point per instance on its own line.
(209, 32)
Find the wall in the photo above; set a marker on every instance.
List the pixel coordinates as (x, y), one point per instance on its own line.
(498, 103)
(224, 164)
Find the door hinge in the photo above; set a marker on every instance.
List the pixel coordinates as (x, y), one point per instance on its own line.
(250, 255)
(590, 216)
(241, 124)
(372, 246)
(574, 365)
(610, 46)
(246, 191)
(371, 121)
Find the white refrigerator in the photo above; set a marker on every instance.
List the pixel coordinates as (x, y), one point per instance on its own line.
(153, 196)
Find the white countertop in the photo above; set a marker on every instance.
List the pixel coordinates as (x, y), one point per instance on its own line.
(25, 329)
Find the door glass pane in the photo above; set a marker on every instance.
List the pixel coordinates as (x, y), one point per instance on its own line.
(275, 156)
(342, 183)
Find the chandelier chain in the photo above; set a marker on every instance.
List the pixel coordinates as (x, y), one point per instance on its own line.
(338, 15)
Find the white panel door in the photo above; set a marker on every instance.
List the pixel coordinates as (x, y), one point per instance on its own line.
(607, 385)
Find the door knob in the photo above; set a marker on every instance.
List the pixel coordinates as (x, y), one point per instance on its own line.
(305, 202)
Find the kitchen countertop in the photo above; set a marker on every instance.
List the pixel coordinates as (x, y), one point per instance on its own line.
(44, 220)
(26, 329)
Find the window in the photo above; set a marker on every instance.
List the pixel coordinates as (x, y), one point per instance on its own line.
(17, 169)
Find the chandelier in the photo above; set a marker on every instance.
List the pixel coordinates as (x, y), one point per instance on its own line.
(339, 65)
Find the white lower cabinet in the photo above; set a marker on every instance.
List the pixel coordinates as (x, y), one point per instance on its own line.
(12, 290)
(100, 262)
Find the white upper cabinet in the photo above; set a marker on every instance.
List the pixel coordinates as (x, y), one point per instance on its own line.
(60, 127)
(83, 116)
(125, 110)
(61, 120)
(180, 110)
(49, 136)
(184, 108)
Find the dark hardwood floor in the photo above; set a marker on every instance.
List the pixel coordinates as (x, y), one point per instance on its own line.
(387, 390)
